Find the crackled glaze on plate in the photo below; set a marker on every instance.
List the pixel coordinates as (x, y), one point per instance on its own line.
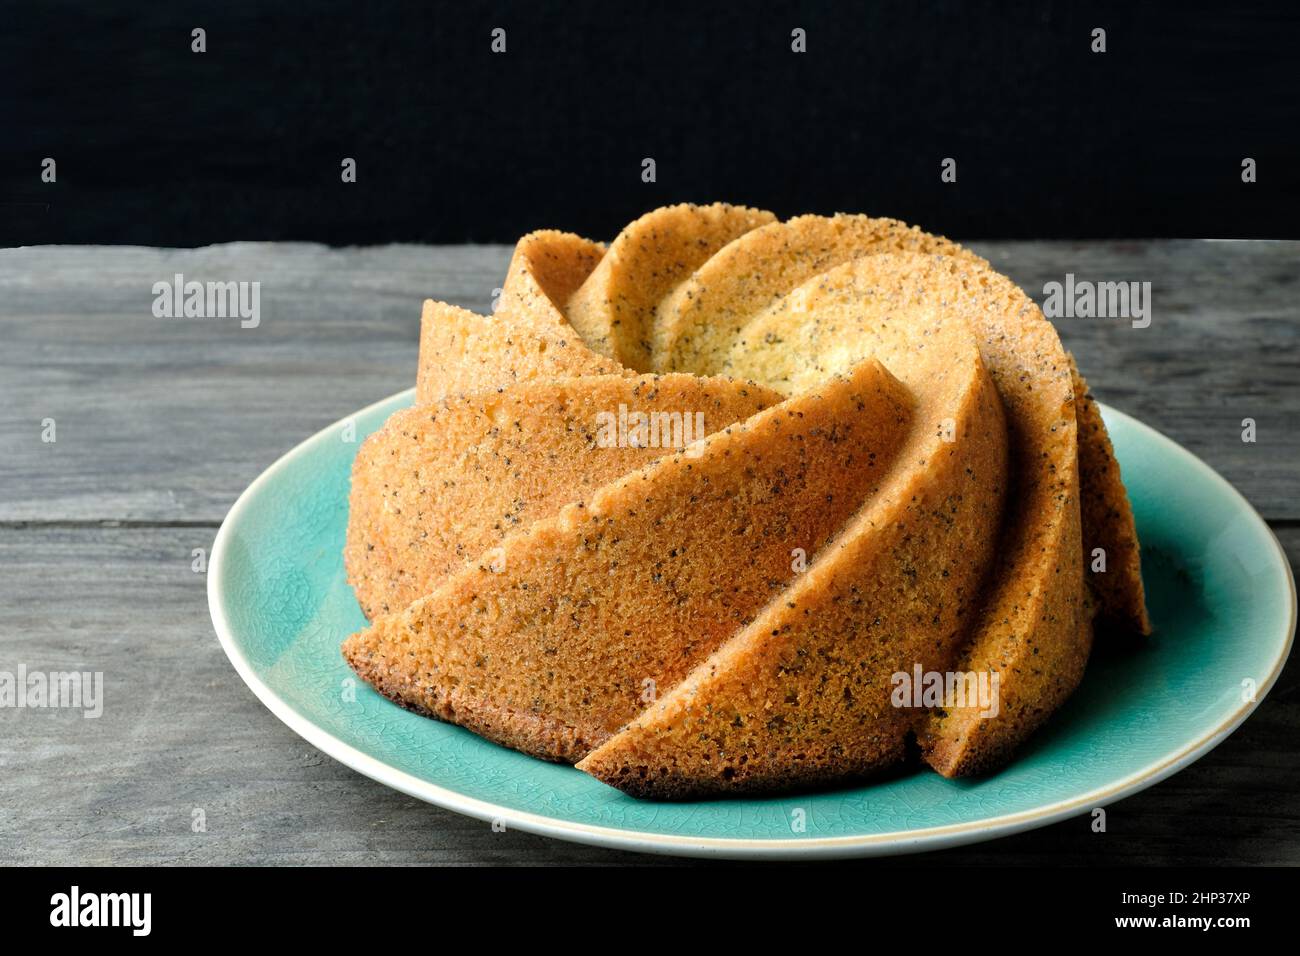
(1219, 588)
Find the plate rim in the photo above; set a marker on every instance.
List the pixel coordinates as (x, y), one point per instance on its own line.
(860, 845)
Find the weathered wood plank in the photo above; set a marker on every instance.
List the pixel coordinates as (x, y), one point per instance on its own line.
(160, 419)
(169, 419)
(180, 731)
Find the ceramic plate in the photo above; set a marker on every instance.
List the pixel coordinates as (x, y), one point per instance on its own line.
(1219, 587)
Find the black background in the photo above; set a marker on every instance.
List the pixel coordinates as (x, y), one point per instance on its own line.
(227, 907)
(158, 145)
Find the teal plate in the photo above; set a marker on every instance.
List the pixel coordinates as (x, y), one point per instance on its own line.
(1220, 592)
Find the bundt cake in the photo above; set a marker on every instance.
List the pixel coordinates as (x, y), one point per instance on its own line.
(691, 512)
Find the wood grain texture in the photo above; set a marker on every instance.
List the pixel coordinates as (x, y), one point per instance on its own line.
(161, 423)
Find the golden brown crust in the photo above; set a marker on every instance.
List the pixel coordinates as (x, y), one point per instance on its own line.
(442, 483)
(526, 339)
(1107, 520)
(547, 268)
(1034, 630)
(463, 353)
(804, 694)
(589, 609)
(699, 322)
(614, 309)
(959, 555)
(528, 732)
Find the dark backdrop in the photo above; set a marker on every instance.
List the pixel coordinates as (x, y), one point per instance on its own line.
(158, 145)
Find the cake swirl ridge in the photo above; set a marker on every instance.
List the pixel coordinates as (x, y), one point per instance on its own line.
(901, 470)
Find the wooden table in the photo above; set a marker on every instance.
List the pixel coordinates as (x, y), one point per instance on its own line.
(161, 423)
